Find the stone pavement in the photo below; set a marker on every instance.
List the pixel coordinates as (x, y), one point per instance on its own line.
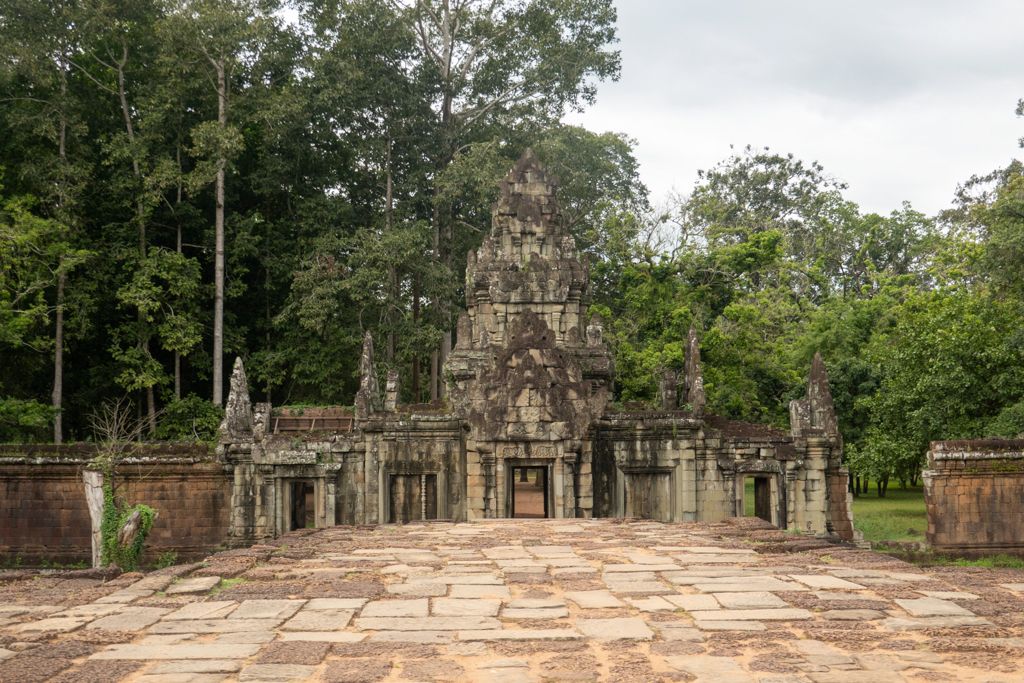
(522, 601)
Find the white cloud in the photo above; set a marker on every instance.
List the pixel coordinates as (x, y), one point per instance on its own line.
(902, 100)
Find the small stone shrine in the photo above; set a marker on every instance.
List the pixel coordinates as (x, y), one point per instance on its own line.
(529, 388)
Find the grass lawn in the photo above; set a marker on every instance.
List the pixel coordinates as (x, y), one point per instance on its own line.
(900, 516)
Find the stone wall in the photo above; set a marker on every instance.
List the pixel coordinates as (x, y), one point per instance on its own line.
(974, 492)
(43, 512)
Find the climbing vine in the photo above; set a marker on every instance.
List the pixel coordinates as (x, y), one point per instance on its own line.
(115, 516)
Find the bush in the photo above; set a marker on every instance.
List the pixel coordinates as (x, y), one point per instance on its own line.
(190, 418)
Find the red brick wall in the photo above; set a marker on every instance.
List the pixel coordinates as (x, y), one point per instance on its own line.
(43, 511)
(840, 500)
(975, 500)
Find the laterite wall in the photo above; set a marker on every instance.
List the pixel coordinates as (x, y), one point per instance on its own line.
(974, 491)
(43, 512)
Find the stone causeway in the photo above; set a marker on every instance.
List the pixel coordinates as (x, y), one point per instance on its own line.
(521, 601)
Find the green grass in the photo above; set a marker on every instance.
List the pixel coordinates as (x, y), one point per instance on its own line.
(1000, 561)
(900, 516)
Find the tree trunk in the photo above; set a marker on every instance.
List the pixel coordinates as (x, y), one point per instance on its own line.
(433, 375)
(218, 268)
(416, 327)
(389, 221)
(177, 212)
(58, 365)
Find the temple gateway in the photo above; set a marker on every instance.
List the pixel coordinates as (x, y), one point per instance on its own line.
(529, 396)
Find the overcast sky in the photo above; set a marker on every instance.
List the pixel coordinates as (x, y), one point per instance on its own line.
(900, 99)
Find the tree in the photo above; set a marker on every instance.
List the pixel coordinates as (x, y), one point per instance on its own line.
(220, 40)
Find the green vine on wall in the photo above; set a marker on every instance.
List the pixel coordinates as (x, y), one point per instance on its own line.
(114, 518)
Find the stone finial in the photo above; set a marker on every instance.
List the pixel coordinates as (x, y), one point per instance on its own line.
(368, 397)
(391, 392)
(669, 382)
(572, 337)
(238, 411)
(470, 258)
(485, 339)
(464, 332)
(595, 332)
(693, 374)
(822, 412)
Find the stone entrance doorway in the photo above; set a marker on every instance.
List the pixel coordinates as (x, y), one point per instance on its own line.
(758, 497)
(649, 495)
(303, 499)
(412, 497)
(530, 492)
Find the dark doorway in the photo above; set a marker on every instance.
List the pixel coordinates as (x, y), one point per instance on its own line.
(303, 505)
(530, 492)
(413, 497)
(757, 495)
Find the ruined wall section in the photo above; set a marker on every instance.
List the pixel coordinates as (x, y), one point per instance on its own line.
(972, 490)
(43, 511)
(645, 465)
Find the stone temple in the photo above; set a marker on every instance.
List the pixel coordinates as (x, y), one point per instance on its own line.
(529, 388)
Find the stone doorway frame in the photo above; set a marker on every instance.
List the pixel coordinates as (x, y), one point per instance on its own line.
(390, 469)
(510, 465)
(774, 495)
(511, 488)
(284, 487)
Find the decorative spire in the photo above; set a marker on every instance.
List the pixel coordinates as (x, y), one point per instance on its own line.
(819, 398)
(368, 397)
(238, 411)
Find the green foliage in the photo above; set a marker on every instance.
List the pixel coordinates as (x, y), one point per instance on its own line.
(167, 559)
(115, 514)
(191, 418)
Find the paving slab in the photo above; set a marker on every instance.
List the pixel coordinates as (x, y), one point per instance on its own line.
(504, 664)
(334, 603)
(424, 637)
(934, 622)
(524, 634)
(626, 588)
(87, 611)
(426, 623)
(691, 635)
(463, 607)
(551, 613)
(323, 636)
(627, 628)
(397, 608)
(536, 603)
(852, 615)
(129, 619)
(1015, 587)
(247, 637)
(201, 584)
(425, 590)
(181, 651)
(276, 672)
(652, 604)
(215, 626)
(466, 580)
(825, 582)
(787, 614)
(319, 620)
(492, 592)
(52, 625)
(752, 600)
(932, 607)
(631, 568)
(593, 599)
(754, 584)
(202, 610)
(730, 625)
(183, 678)
(693, 602)
(195, 666)
(124, 596)
(857, 677)
(267, 609)
(711, 669)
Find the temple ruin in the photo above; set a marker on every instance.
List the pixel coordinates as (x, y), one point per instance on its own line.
(529, 388)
